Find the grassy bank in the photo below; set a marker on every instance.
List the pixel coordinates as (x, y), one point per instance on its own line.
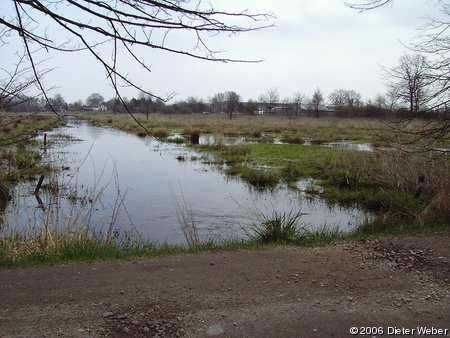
(52, 247)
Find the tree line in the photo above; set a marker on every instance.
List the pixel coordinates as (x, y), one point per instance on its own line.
(408, 90)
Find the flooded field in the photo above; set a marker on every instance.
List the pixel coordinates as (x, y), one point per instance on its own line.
(115, 181)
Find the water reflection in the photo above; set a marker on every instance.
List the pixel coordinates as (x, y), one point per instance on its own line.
(112, 172)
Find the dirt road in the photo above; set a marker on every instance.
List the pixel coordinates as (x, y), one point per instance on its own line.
(400, 282)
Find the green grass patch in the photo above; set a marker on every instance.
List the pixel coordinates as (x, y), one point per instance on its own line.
(94, 250)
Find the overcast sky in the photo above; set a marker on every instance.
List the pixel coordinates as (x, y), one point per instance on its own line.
(314, 44)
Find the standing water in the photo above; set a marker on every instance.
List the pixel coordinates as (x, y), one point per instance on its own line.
(133, 183)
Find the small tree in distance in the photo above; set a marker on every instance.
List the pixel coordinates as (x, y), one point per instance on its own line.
(95, 99)
(270, 99)
(299, 99)
(232, 101)
(316, 102)
(408, 82)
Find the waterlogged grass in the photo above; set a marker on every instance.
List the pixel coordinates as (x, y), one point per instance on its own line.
(409, 194)
(381, 182)
(279, 228)
(260, 128)
(20, 154)
(12, 253)
(273, 230)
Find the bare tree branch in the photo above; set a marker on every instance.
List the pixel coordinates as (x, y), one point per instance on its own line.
(89, 24)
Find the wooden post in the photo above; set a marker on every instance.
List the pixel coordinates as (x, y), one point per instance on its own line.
(41, 179)
(45, 141)
(40, 203)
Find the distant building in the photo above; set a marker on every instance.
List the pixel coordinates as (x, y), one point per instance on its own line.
(101, 107)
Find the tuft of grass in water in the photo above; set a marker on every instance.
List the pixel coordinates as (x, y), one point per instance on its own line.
(291, 173)
(279, 228)
(258, 178)
(160, 133)
(286, 228)
(186, 218)
(345, 178)
(296, 139)
(181, 158)
(176, 140)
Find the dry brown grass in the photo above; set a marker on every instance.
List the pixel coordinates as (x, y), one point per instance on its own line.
(325, 129)
(398, 171)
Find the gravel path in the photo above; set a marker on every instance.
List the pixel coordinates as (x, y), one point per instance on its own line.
(392, 283)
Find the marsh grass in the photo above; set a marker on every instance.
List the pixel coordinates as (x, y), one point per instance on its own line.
(294, 138)
(258, 178)
(186, 218)
(287, 228)
(278, 228)
(20, 154)
(291, 173)
(60, 222)
(326, 129)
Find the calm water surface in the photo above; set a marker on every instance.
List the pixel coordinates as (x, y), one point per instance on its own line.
(107, 171)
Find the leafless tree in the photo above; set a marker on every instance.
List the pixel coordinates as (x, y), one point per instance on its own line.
(17, 80)
(125, 27)
(317, 101)
(270, 99)
(218, 102)
(433, 41)
(380, 101)
(409, 82)
(232, 101)
(345, 99)
(298, 100)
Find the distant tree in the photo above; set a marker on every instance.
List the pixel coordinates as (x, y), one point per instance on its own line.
(343, 98)
(270, 99)
(232, 103)
(192, 105)
(345, 101)
(159, 106)
(218, 103)
(408, 82)
(58, 103)
(298, 100)
(380, 101)
(317, 101)
(95, 99)
(250, 107)
(432, 42)
(76, 105)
